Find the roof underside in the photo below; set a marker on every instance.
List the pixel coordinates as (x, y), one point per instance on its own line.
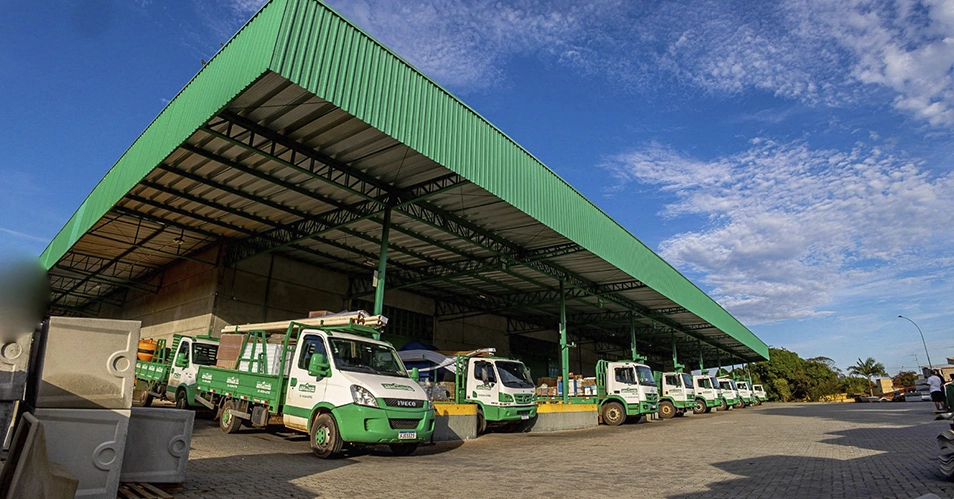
(306, 148)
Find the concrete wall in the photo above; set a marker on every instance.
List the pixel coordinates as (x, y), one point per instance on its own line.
(182, 305)
(473, 332)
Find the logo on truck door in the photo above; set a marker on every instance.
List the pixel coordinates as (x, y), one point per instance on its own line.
(307, 388)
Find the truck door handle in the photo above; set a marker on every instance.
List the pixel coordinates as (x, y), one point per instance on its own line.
(615, 391)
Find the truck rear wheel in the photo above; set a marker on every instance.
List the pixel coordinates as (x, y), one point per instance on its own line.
(228, 422)
(403, 449)
(181, 402)
(145, 399)
(324, 438)
(666, 409)
(614, 414)
(700, 406)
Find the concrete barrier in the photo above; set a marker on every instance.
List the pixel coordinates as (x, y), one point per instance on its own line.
(157, 445)
(14, 360)
(90, 444)
(28, 472)
(88, 363)
(454, 422)
(556, 417)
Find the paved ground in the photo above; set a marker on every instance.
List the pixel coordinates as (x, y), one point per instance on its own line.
(776, 450)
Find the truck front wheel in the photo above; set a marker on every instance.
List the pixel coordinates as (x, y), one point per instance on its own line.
(403, 449)
(723, 406)
(481, 421)
(666, 409)
(181, 402)
(613, 413)
(700, 406)
(324, 438)
(228, 422)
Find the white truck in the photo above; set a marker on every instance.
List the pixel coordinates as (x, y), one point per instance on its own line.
(760, 395)
(677, 396)
(730, 393)
(338, 383)
(708, 394)
(745, 393)
(172, 374)
(501, 387)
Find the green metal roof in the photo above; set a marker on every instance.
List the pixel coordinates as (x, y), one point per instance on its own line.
(311, 46)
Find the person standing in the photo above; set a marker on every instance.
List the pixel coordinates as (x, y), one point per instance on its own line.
(937, 395)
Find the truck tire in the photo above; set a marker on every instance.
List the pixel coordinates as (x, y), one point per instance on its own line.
(228, 422)
(324, 437)
(481, 421)
(700, 407)
(403, 449)
(145, 399)
(614, 414)
(181, 402)
(666, 409)
(723, 406)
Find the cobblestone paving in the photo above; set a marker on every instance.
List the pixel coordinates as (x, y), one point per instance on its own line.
(776, 450)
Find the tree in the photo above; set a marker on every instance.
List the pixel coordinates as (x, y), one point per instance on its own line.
(868, 368)
(904, 378)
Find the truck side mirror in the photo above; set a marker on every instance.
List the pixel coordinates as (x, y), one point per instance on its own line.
(318, 366)
(182, 361)
(483, 376)
(415, 374)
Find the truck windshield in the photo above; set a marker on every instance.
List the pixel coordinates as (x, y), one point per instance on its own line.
(715, 383)
(687, 380)
(645, 376)
(364, 357)
(203, 354)
(742, 385)
(514, 374)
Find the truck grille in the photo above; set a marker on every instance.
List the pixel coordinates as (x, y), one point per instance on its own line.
(406, 403)
(523, 398)
(404, 424)
(652, 397)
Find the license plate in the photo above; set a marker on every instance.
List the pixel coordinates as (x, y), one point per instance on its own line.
(407, 435)
(524, 417)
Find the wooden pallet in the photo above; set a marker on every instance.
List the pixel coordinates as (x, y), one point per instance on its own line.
(137, 490)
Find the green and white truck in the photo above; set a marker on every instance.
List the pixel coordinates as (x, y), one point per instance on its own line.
(677, 396)
(759, 392)
(745, 393)
(338, 383)
(730, 392)
(625, 389)
(502, 388)
(708, 394)
(171, 375)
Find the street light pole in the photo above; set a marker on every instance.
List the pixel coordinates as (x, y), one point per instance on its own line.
(922, 340)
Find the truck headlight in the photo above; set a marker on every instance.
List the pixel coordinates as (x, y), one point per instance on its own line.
(362, 396)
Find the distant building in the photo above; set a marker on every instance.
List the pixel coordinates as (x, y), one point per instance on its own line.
(946, 369)
(883, 386)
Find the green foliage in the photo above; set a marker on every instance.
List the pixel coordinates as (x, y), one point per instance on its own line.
(789, 377)
(853, 385)
(868, 368)
(904, 378)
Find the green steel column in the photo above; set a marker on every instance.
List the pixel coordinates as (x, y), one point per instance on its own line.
(701, 364)
(675, 360)
(382, 263)
(564, 348)
(632, 335)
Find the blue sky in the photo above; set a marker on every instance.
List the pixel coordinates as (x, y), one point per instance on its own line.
(791, 158)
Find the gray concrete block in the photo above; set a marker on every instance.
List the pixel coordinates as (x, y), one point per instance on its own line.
(454, 428)
(28, 472)
(14, 361)
(88, 363)
(557, 421)
(157, 445)
(8, 411)
(90, 443)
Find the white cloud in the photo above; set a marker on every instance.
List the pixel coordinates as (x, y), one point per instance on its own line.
(791, 226)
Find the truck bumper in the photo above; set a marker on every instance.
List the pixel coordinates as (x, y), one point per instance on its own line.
(494, 413)
(641, 408)
(374, 425)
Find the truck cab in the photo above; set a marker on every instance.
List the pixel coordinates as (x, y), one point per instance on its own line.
(730, 393)
(676, 393)
(707, 394)
(190, 353)
(625, 389)
(501, 388)
(745, 393)
(759, 392)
